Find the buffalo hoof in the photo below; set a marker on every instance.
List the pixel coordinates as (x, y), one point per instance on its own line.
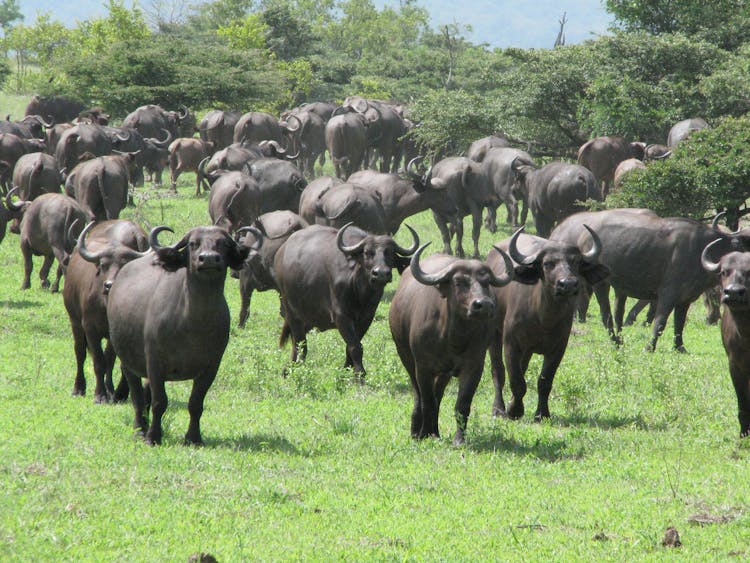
(193, 442)
(539, 417)
(54, 288)
(681, 349)
(745, 433)
(459, 441)
(25, 285)
(650, 347)
(45, 284)
(100, 399)
(499, 412)
(78, 392)
(515, 410)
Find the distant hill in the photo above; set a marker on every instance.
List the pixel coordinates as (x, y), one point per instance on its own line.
(499, 23)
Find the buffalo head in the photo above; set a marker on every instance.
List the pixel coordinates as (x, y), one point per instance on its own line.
(377, 255)
(734, 273)
(206, 252)
(465, 283)
(558, 266)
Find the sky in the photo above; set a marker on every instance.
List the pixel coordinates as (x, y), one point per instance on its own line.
(499, 23)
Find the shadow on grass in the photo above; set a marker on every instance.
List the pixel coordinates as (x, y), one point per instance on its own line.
(609, 422)
(20, 304)
(548, 450)
(257, 443)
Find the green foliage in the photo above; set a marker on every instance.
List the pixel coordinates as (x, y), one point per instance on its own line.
(723, 22)
(247, 33)
(727, 89)
(96, 37)
(709, 171)
(10, 12)
(450, 120)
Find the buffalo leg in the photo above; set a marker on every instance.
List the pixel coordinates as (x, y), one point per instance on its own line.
(429, 405)
(353, 345)
(635, 310)
(476, 225)
(582, 302)
(490, 221)
(742, 389)
(442, 224)
(58, 276)
(28, 265)
(498, 375)
(102, 392)
(517, 362)
(195, 407)
(544, 383)
(159, 403)
(620, 301)
(79, 346)
(44, 270)
(467, 386)
(680, 315)
(121, 391)
(246, 295)
(459, 225)
(512, 208)
(137, 399)
(524, 212)
(601, 290)
(664, 307)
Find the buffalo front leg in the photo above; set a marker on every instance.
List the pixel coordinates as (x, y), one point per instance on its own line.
(467, 386)
(353, 342)
(601, 290)
(103, 392)
(664, 307)
(79, 346)
(28, 266)
(429, 405)
(137, 399)
(741, 384)
(517, 362)
(195, 407)
(544, 383)
(680, 316)
(498, 375)
(159, 404)
(442, 224)
(476, 225)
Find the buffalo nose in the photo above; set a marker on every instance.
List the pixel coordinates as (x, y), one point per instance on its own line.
(735, 292)
(567, 286)
(482, 307)
(381, 274)
(107, 286)
(209, 259)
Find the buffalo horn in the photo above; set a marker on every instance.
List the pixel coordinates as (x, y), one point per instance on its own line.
(507, 277)
(706, 262)
(516, 254)
(85, 253)
(715, 222)
(153, 240)
(184, 111)
(423, 277)
(348, 249)
(288, 126)
(256, 233)
(122, 135)
(9, 202)
(409, 251)
(163, 143)
(596, 246)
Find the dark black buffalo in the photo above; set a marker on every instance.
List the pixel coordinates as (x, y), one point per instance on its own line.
(169, 321)
(217, 126)
(151, 121)
(30, 127)
(349, 203)
(12, 148)
(85, 138)
(734, 272)
(326, 282)
(497, 172)
(479, 148)
(101, 185)
(35, 174)
(402, 197)
(60, 108)
(185, 155)
(258, 274)
(234, 200)
(280, 182)
(535, 314)
(310, 196)
(442, 323)
(555, 191)
(649, 258)
(346, 140)
(102, 250)
(152, 153)
(46, 226)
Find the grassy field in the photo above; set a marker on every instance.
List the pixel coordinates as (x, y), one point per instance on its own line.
(317, 467)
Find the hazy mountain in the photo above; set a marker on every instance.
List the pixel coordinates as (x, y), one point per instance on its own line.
(500, 23)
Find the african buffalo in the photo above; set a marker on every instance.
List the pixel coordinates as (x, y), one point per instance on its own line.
(257, 273)
(151, 121)
(256, 126)
(649, 258)
(85, 138)
(60, 108)
(185, 155)
(601, 155)
(45, 227)
(734, 271)
(102, 249)
(310, 196)
(535, 314)
(10, 212)
(325, 283)
(217, 126)
(234, 200)
(497, 172)
(555, 191)
(169, 321)
(442, 323)
(101, 185)
(682, 130)
(349, 203)
(309, 140)
(625, 168)
(35, 174)
(12, 148)
(280, 182)
(479, 148)
(346, 140)
(470, 193)
(407, 195)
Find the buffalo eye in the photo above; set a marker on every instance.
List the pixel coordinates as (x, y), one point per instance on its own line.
(548, 264)
(461, 282)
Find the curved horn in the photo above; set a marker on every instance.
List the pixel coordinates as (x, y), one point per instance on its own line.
(410, 167)
(274, 144)
(507, 277)
(662, 156)
(411, 250)
(153, 241)
(706, 262)
(17, 207)
(85, 253)
(163, 143)
(348, 249)
(358, 106)
(256, 233)
(39, 119)
(122, 136)
(715, 222)
(292, 129)
(185, 111)
(596, 246)
(423, 277)
(516, 254)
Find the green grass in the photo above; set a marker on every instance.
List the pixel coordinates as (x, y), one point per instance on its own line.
(316, 467)
(13, 105)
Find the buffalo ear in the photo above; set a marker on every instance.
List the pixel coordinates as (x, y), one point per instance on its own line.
(528, 275)
(401, 263)
(594, 273)
(170, 258)
(237, 255)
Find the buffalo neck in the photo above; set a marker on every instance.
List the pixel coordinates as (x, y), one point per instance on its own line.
(741, 321)
(462, 333)
(202, 295)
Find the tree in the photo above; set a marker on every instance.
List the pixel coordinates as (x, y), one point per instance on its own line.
(96, 36)
(725, 23)
(10, 12)
(708, 171)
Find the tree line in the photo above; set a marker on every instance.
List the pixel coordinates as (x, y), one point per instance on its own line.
(661, 62)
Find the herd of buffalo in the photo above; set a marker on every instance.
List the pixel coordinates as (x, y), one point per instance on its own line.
(325, 244)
